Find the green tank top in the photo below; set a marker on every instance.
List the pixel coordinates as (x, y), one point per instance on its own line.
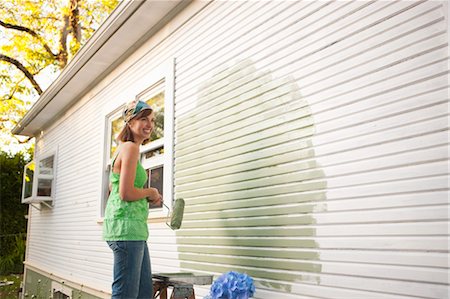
(126, 220)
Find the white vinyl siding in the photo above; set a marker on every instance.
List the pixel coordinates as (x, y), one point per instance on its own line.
(310, 145)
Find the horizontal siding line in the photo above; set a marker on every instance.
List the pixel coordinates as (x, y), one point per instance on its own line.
(312, 221)
(192, 124)
(413, 163)
(66, 259)
(301, 37)
(319, 261)
(328, 109)
(211, 16)
(318, 111)
(314, 226)
(366, 97)
(315, 139)
(249, 107)
(88, 231)
(316, 148)
(371, 222)
(377, 250)
(213, 135)
(324, 211)
(77, 239)
(398, 87)
(352, 46)
(316, 204)
(300, 192)
(381, 235)
(318, 145)
(97, 247)
(181, 176)
(241, 19)
(76, 273)
(383, 43)
(67, 210)
(317, 196)
(395, 76)
(349, 261)
(387, 181)
(389, 140)
(305, 219)
(353, 197)
(78, 243)
(411, 150)
(379, 57)
(373, 59)
(322, 284)
(243, 36)
(311, 252)
(226, 32)
(425, 56)
(382, 117)
(325, 179)
(303, 290)
(199, 185)
(245, 99)
(376, 106)
(310, 210)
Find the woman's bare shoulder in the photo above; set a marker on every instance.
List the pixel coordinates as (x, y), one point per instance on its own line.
(129, 149)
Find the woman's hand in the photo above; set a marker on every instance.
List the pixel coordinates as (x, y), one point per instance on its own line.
(154, 198)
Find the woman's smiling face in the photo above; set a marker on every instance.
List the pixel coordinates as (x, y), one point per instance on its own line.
(142, 126)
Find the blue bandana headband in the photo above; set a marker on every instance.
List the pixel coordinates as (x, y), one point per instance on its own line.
(133, 108)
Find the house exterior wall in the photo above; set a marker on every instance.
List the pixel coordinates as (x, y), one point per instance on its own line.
(311, 147)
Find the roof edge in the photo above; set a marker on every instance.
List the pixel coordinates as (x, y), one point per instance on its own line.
(115, 20)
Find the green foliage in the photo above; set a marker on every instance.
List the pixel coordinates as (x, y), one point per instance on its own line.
(10, 291)
(41, 36)
(12, 213)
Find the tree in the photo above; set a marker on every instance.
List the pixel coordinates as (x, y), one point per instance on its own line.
(38, 39)
(12, 213)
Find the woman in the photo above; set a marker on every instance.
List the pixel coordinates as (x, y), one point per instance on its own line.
(125, 224)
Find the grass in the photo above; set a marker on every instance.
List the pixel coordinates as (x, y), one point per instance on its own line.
(10, 291)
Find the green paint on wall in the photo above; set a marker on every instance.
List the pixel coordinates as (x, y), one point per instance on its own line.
(256, 202)
(297, 254)
(250, 201)
(254, 262)
(257, 242)
(250, 232)
(282, 220)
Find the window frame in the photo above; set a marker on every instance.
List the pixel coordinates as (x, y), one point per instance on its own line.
(35, 198)
(164, 75)
(60, 288)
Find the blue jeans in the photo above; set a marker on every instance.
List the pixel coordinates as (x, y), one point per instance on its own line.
(132, 270)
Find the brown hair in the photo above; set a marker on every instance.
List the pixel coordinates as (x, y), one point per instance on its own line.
(126, 134)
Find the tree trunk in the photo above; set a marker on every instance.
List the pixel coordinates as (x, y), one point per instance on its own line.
(75, 20)
(63, 56)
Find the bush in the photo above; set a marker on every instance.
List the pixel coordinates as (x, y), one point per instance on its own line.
(12, 212)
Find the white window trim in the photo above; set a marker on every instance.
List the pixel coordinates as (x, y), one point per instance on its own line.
(166, 73)
(57, 287)
(34, 198)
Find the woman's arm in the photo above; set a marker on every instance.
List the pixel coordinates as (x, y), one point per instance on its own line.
(129, 155)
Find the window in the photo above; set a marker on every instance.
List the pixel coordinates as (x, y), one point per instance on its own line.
(156, 152)
(152, 152)
(60, 291)
(39, 182)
